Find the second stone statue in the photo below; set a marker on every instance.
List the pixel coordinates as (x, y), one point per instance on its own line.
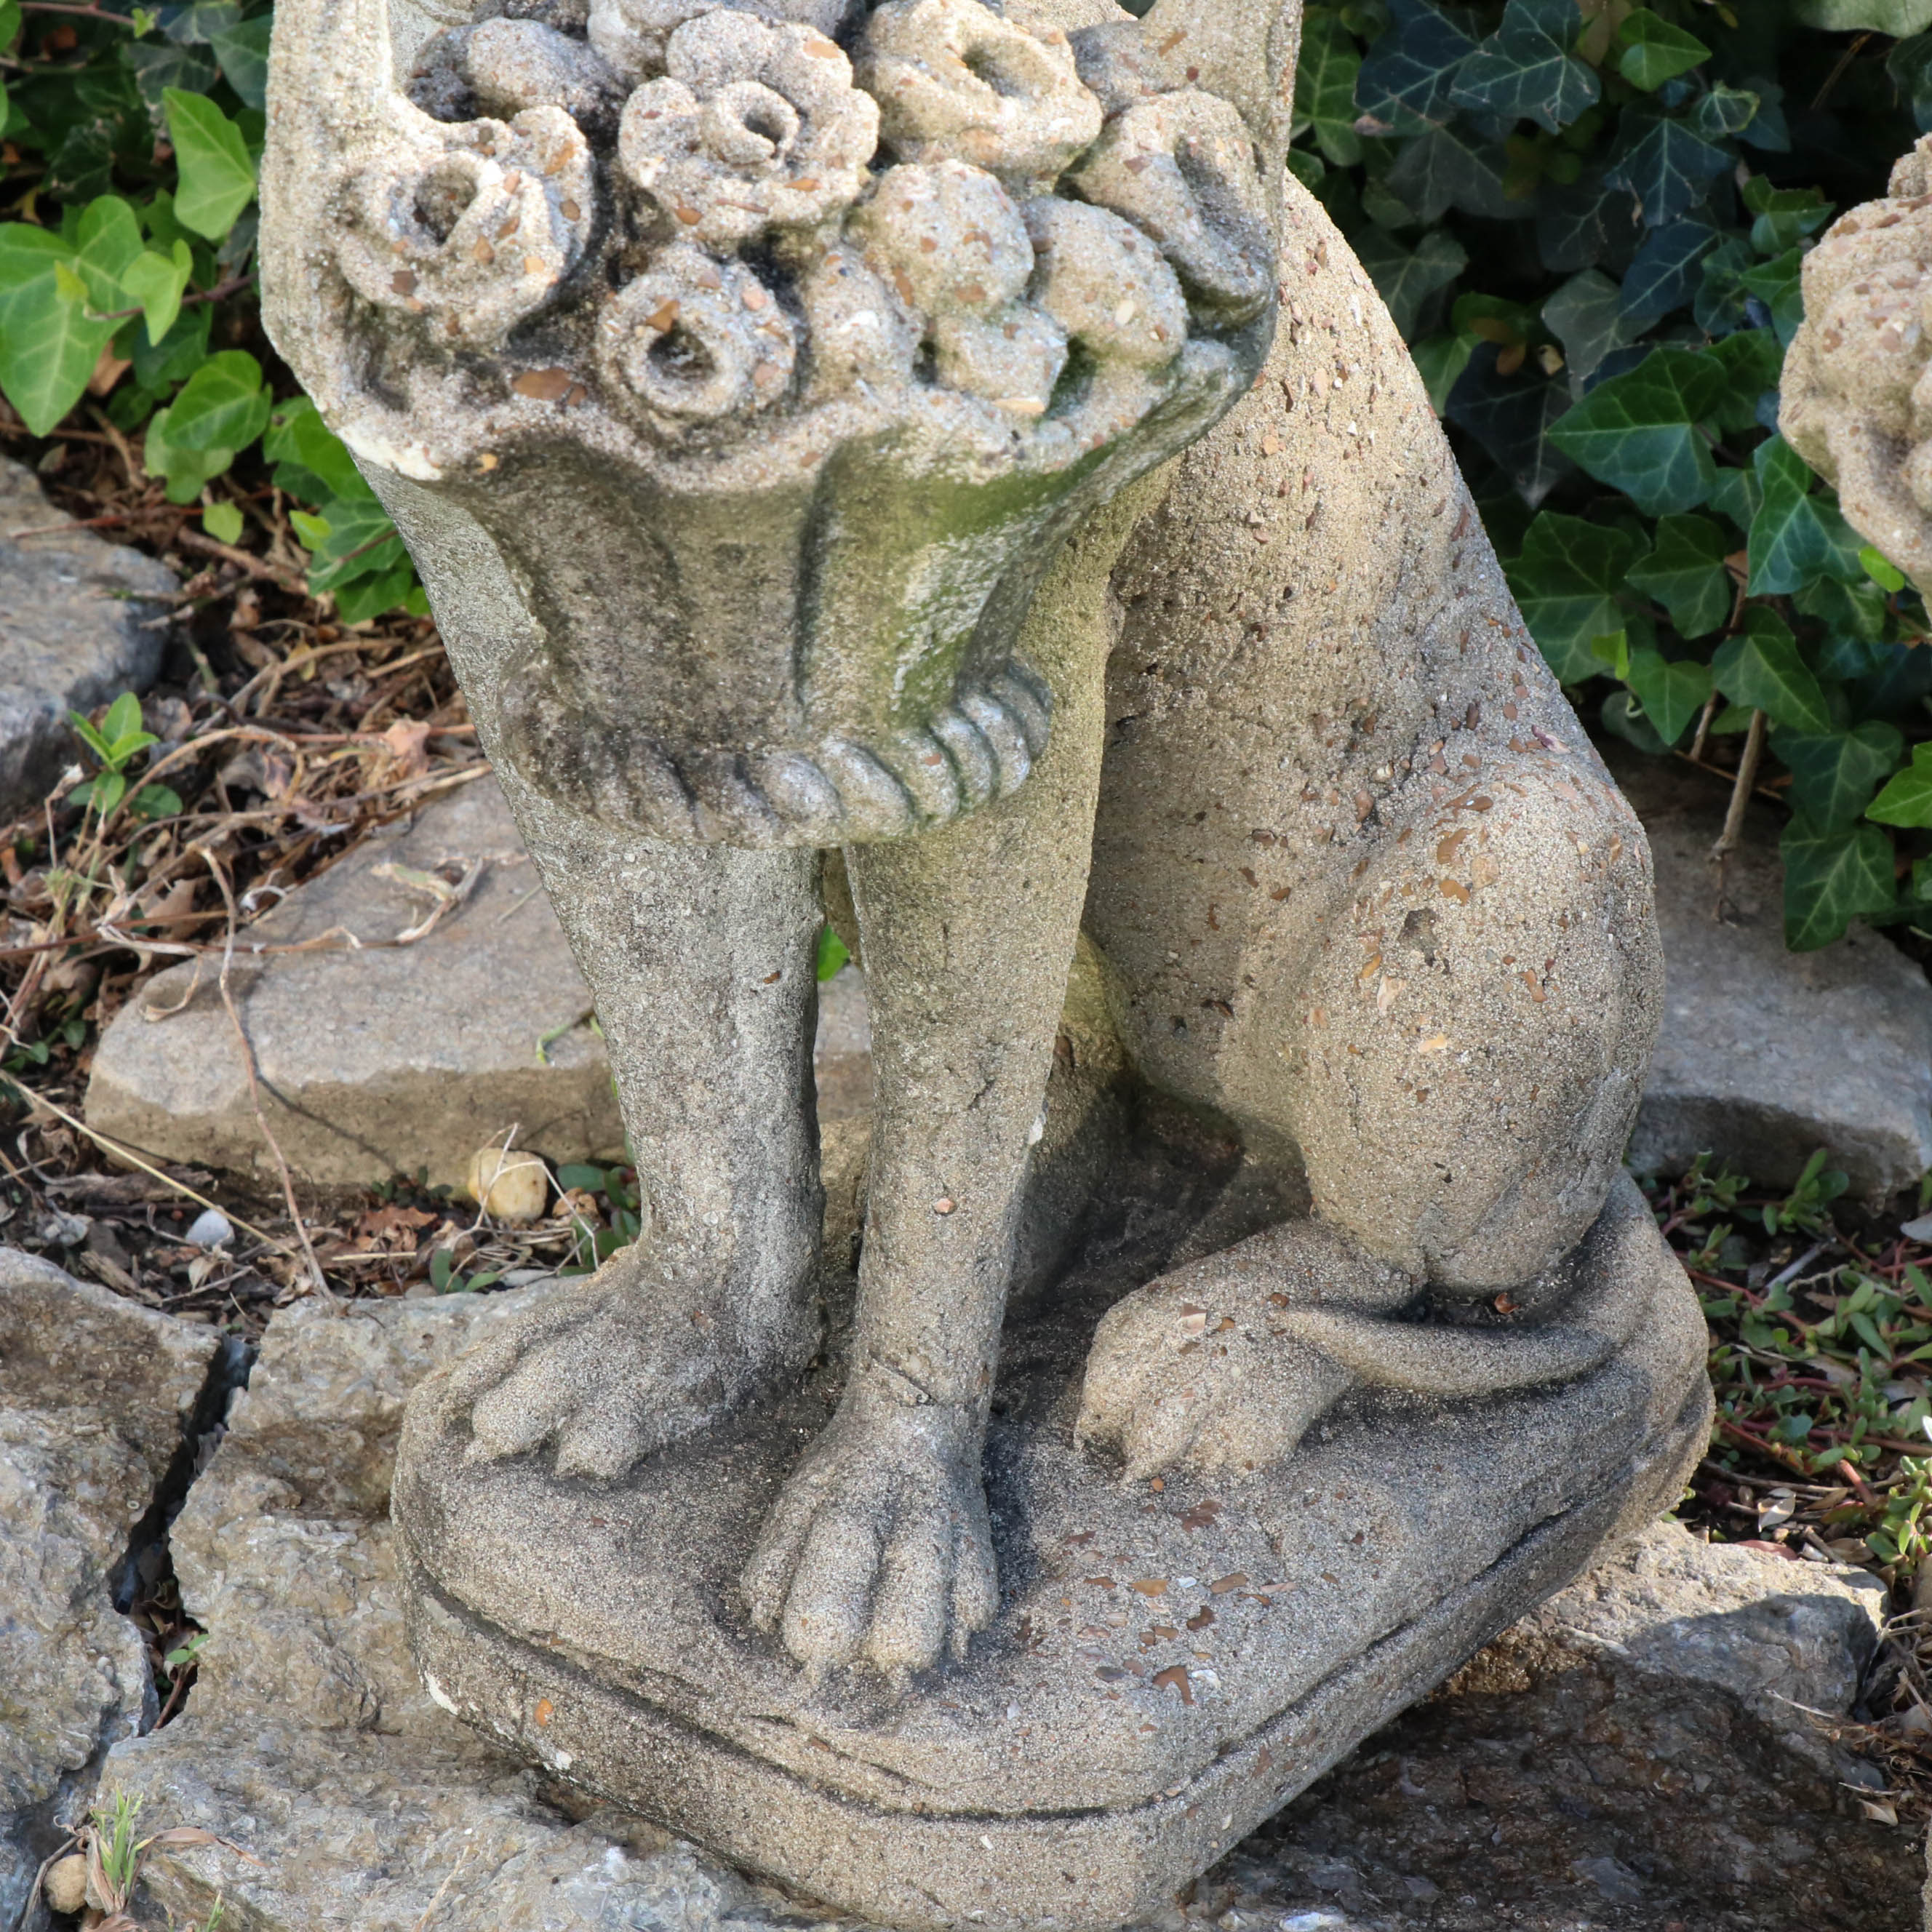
(941, 434)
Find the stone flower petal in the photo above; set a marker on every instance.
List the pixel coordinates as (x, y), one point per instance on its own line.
(473, 228)
(1181, 168)
(755, 127)
(1105, 284)
(696, 339)
(948, 239)
(633, 35)
(956, 82)
(516, 64)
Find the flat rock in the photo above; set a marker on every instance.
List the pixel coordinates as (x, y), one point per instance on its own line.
(1766, 1054)
(395, 1058)
(384, 1060)
(97, 1398)
(76, 629)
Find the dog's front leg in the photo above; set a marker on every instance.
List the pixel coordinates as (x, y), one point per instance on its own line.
(880, 1546)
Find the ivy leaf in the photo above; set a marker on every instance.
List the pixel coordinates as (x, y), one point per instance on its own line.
(1724, 111)
(1405, 83)
(223, 521)
(1404, 281)
(1665, 166)
(1795, 536)
(1906, 799)
(156, 66)
(1734, 494)
(1834, 774)
(1580, 224)
(185, 472)
(1832, 877)
(1452, 167)
(1784, 216)
(1324, 86)
(1778, 286)
(1440, 360)
(48, 347)
(1651, 51)
(1671, 694)
(157, 282)
(243, 51)
(1586, 315)
(224, 404)
(1685, 573)
(1883, 17)
(1753, 359)
(218, 172)
(1637, 432)
(1909, 67)
(1565, 582)
(1510, 415)
(1762, 671)
(1664, 275)
(311, 460)
(1524, 71)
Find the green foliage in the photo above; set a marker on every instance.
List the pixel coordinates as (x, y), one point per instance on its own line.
(832, 954)
(1590, 220)
(127, 226)
(118, 741)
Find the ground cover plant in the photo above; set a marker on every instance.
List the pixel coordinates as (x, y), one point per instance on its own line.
(1589, 220)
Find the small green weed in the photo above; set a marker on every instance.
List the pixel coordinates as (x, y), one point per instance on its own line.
(116, 743)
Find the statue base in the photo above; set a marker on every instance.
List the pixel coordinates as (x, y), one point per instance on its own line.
(1168, 1666)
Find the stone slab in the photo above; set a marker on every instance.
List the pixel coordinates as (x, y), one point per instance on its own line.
(96, 1398)
(1766, 1055)
(76, 629)
(389, 1060)
(1166, 1669)
(385, 1059)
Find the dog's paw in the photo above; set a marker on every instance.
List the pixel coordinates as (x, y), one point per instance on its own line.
(1202, 1368)
(879, 1547)
(608, 1370)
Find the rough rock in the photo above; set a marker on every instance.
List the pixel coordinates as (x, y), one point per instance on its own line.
(396, 1057)
(1622, 1759)
(387, 1059)
(1766, 1054)
(76, 629)
(97, 1398)
(1607, 1765)
(308, 1740)
(842, 1060)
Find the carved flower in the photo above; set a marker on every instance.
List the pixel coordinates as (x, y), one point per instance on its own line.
(1106, 285)
(474, 226)
(755, 127)
(502, 67)
(696, 339)
(956, 81)
(1181, 168)
(953, 245)
(633, 35)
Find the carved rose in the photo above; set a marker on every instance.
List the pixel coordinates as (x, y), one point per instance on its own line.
(1181, 167)
(952, 244)
(633, 35)
(695, 339)
(477, 229)
(755, 127)
(502, 67)
(955, 82)
(1106, 285)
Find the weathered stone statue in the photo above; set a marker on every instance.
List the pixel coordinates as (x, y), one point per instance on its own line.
(785, 404)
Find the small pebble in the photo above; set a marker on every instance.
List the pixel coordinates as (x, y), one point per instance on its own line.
(210, 1228)
(508, 1187)
(65, 1884)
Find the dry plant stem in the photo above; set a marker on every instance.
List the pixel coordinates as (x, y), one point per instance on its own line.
(122, 1152)
(1698, 743)
(242, 559)
(1741, 791)
(320, 1281)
